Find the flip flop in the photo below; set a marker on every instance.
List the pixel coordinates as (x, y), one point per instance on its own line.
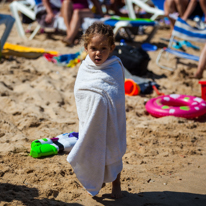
(177, 45)
(189, 44)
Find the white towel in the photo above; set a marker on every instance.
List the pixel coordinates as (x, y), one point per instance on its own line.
(100, 101)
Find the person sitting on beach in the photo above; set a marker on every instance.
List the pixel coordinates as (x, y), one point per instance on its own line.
(115, 6)
(185, 9)
(46, 10)
(96, 158)
(73, 12)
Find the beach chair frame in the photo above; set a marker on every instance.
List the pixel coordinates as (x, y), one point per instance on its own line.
(184, 31)
(127, 23)
(8, 21)
(27, 9)
(155, 11)
(178, 54)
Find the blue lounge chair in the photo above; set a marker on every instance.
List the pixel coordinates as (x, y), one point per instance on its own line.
(123, 22)
(184, 31)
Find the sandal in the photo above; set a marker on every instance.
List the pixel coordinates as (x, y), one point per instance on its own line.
(189, 44)
(177, 45)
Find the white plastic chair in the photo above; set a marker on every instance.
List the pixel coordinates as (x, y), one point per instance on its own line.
(8, 21)
(152, 10)
(26, 8)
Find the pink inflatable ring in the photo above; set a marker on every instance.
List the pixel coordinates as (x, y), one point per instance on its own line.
(176, 105)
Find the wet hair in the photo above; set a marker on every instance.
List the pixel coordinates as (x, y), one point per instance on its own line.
(101, 29)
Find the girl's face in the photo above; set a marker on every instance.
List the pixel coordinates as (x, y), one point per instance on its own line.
(99, 49)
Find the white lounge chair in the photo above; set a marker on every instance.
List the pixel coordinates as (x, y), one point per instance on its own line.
(26, 8)
(155, 11)
(8, 21)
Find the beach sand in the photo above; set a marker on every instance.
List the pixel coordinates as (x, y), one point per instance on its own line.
(165, 161)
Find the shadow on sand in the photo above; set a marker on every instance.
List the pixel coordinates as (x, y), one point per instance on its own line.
(164, 198)
(27, 196)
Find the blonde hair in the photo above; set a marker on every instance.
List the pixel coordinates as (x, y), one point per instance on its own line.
(101, 29)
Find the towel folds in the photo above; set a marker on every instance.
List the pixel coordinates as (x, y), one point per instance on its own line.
(100, 102)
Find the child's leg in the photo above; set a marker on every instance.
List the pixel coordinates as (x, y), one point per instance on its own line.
(116, 188)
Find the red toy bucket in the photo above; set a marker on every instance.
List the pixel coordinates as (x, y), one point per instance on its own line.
(131, 88)
(203, 89)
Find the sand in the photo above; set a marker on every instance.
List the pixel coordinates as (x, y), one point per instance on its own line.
(164, 164)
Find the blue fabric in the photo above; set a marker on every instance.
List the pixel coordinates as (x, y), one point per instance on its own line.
(134, 23)
(159, 4)
(182, 54)
(38, 1)
(195, 33)
(64, 59)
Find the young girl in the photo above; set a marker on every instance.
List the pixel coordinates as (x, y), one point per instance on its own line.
(100, 100)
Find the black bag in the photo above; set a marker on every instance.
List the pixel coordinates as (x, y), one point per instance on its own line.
(134, 59)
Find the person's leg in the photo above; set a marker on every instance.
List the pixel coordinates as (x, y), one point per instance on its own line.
(86, 13)
(116, 188)
(203, 7)
(116, 5)
(181, 6)
(66, 12)
(202, 64)
(170, 8)
(75, 23)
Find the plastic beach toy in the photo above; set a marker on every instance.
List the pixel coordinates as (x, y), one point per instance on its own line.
(46, 146)
(149, 47)
(203, 89)
(27, 52)
(176, 105)
(131, 87)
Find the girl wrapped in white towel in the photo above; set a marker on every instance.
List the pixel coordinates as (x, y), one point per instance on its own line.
(96, 158)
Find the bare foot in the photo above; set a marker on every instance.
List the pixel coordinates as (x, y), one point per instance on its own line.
(195, 76)
(116, 188)
(199, 73)
(67, 41)
(198, 76)
(76, 41)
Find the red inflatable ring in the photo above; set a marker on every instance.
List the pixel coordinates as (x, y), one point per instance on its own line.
(176, 105)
